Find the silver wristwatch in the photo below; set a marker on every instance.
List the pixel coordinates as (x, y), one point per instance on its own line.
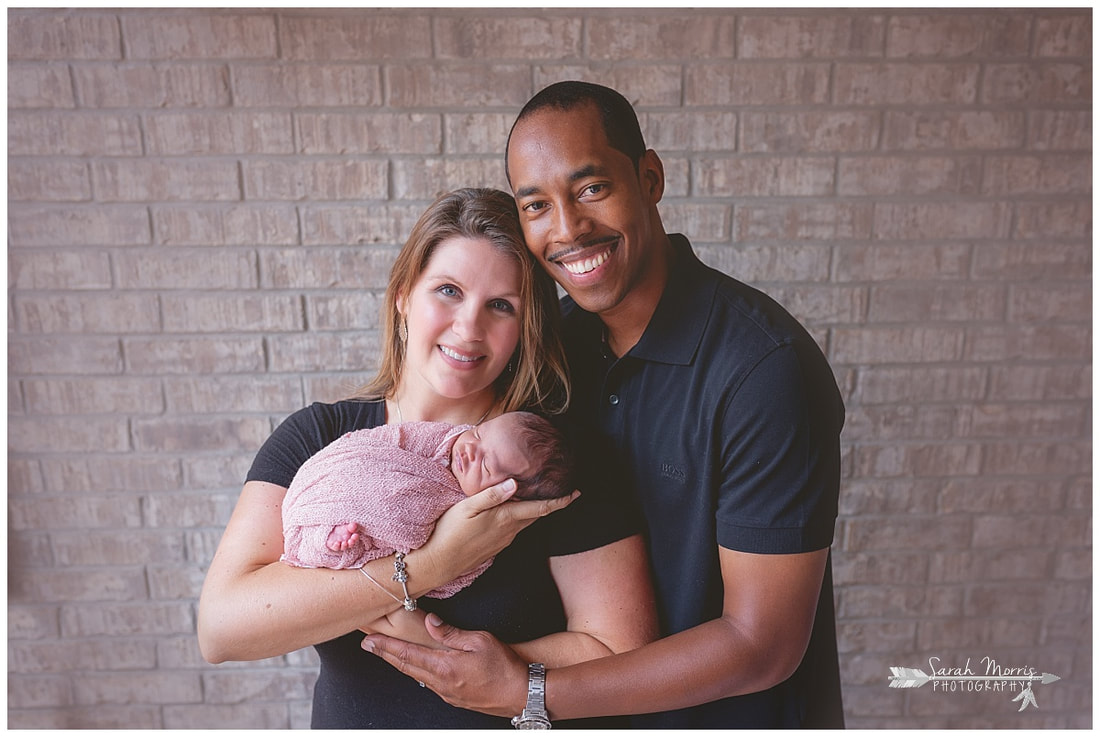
(534, 715)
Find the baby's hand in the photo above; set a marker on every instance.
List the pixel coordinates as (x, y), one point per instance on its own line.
(343, 537)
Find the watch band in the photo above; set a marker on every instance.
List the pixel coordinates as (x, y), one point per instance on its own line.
(534, 715)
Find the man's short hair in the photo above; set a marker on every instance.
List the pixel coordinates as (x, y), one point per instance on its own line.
(620, 122)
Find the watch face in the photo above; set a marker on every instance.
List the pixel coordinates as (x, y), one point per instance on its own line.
(532, 723)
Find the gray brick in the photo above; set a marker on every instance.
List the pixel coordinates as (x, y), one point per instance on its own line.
(226, 225)
(1064, 36)
(389, 133)
(69, 225)
(153, 86)
(316, 180)
(424, 178)
(82, 134)
(56, 181)
(201, 355)
(54, 36)
(958, 36)
(658, 36)
(492, 37)
(355, 36)
(186, 268)
(792, 132)
(144, 688)
(33, 86)
(811, 36)
(199, 36)
(757, 83)
(1046, 83)
(329, 85)
(771, 176)
(901, 84)
(85, 268)
(654, 84)
(199, 133)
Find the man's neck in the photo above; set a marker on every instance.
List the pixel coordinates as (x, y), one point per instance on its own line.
(627, 321)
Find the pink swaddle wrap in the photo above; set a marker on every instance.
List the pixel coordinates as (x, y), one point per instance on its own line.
(393, 480)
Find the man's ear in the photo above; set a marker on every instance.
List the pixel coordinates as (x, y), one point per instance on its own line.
(651, 175)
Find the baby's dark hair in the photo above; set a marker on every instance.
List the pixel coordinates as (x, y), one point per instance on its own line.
(551, 455)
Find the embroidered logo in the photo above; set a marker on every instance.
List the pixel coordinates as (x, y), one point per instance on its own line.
(670, 471)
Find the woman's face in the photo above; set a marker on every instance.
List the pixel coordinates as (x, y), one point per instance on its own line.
(463, 318)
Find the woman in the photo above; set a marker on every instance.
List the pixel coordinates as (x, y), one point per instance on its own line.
(470, 332)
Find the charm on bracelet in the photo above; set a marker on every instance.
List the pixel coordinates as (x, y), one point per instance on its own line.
(401, 575)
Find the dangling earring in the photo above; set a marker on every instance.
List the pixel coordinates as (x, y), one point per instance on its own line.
(403, 330)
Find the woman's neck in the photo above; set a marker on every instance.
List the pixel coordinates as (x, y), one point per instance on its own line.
(404, 407)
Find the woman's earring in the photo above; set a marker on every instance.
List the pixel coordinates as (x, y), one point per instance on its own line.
(402, 330)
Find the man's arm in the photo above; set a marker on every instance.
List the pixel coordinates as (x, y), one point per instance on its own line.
(758, 642)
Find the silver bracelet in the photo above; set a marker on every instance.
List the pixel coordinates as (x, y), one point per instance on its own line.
(401, 575)
(384, 589)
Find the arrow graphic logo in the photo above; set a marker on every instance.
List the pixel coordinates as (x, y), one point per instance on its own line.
(915, 678)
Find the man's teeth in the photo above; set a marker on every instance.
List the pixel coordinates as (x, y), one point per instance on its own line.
(586, 265)
(456, 356)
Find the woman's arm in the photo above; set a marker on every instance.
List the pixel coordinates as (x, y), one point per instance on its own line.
(609, 605)
(253, 606)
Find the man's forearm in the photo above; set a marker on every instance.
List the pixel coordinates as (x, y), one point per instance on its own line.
(705, 663)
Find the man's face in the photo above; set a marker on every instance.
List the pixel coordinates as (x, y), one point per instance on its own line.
(586, 212)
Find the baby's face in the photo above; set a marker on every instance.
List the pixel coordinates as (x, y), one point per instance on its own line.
(488, 454)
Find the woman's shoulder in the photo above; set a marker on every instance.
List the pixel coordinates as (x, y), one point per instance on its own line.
(341, 416)
(309, 430)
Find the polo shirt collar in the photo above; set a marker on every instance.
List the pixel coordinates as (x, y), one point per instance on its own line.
(676, 328)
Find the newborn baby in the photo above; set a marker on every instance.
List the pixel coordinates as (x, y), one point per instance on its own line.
(375, 492)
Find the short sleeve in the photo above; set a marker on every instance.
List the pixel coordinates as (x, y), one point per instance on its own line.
(306, 432)
(605, 512)
(780, 459)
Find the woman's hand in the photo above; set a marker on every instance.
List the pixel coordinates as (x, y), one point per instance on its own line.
(478, 527)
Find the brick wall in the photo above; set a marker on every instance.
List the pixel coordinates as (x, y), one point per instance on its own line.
(203, 206)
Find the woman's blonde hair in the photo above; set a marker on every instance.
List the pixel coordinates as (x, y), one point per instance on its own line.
(536, 378)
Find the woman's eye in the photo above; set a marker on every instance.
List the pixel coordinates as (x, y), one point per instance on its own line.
(448, 290)
(502, 306)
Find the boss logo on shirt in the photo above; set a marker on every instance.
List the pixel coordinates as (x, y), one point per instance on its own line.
(675, 473)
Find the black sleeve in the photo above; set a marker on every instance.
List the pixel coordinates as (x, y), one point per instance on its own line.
(305, 433)
(606, 510)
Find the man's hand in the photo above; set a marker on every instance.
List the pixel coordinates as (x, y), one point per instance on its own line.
(473, 670)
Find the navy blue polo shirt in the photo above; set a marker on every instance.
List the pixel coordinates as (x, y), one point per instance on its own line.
(727, 418)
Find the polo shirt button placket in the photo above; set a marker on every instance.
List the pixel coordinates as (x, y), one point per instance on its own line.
(613, 400)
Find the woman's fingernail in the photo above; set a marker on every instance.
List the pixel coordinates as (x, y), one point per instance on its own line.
(434, 620)
(509, 484)
(368, 646)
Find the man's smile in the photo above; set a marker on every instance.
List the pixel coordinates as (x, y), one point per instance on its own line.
(587, 263)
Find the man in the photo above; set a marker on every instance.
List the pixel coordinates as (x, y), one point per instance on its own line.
(728, 418)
